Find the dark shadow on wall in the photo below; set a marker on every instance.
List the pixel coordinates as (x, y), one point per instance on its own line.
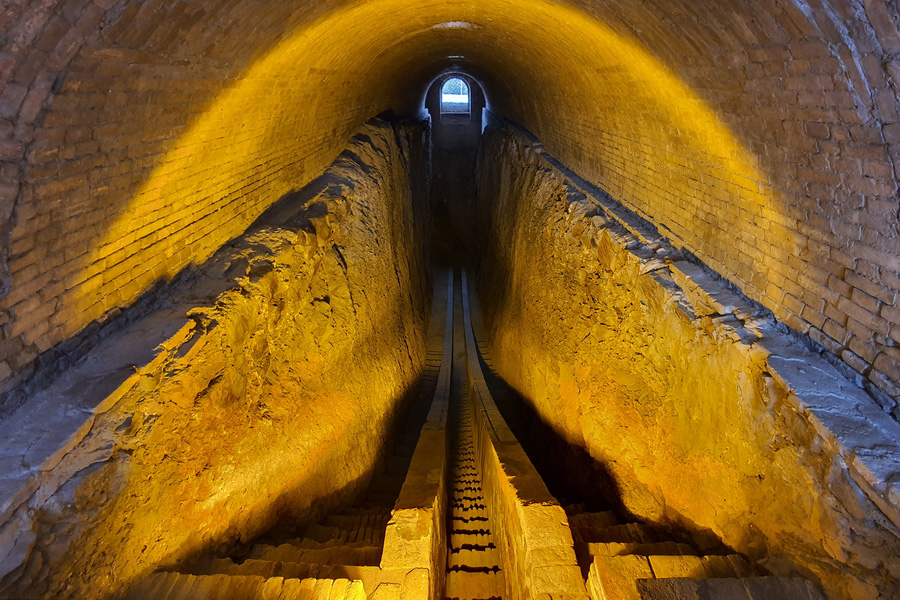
(571, 474)
(394, 457)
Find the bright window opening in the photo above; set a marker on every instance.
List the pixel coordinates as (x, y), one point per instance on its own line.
(455, 98)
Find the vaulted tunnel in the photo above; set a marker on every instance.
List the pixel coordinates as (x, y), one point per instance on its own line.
(223, 277)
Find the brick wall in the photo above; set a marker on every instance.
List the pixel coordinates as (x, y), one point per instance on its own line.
(762, 136)
(160, 140)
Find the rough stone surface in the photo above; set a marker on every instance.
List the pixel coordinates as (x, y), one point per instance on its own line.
(138, 136)
(707, 415)
(270, 403)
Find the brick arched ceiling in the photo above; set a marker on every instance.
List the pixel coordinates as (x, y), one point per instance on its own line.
(138, 136)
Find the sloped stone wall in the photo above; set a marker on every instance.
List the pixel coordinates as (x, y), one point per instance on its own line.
(270, 404)
(137, 136)
(708, 414)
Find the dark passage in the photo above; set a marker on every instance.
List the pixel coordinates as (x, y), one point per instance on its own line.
(455, 137)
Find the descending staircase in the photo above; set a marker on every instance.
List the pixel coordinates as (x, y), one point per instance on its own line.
(344, 555)
(337, 558)
(633, 561)
(473, 561)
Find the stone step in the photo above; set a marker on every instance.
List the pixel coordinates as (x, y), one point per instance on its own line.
(488, 558)
(472, 480)
(730, 565)
(466, 474)
(599, 520)
(469, 521)
(462, 585)
(475, 529)
(616, 576)
(335, 555)
(369, 575)
(634, 533)
(356, 522)
(459, 540)
(307, 543)
(464, 499)
(750, 588)
(459, 512)
(369, 535)
(358, 511)
(467, 497)
(622, 548)
(180, 586)
(459, 495)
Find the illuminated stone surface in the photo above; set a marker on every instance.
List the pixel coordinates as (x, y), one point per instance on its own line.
(232, 426)
(139, 137)
(706, 415)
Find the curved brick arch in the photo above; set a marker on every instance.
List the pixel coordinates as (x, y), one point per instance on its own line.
(786, 186)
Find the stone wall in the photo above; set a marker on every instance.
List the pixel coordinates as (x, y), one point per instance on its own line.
(136, 136)
(709, 416)
(268, 406)
(139, 137)
(763, 137)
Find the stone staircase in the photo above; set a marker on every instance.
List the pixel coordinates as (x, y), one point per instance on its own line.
(337, 558)
(344, 556)
(634, 561)
(245, 587)
(473, 563)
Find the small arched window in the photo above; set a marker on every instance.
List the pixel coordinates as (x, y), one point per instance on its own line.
(455, 97)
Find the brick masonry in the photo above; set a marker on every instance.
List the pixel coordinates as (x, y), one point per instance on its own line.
(137, 137)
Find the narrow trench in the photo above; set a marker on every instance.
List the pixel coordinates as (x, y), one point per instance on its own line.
(473, 559)
(343, 555)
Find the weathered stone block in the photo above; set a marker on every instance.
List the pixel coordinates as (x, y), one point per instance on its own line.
(615, 577)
